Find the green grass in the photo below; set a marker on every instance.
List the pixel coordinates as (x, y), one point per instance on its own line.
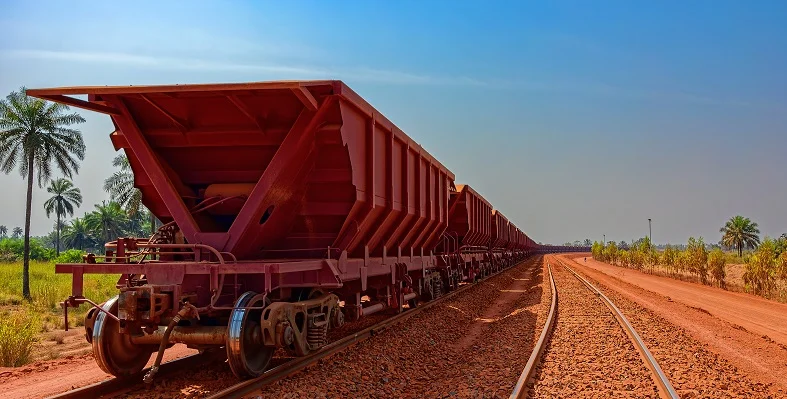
(48, 290)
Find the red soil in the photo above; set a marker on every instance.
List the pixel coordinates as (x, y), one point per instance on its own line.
(46, 378)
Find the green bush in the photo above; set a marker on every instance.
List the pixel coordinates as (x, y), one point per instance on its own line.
(12, 249)
(70, 256)
(598, 251)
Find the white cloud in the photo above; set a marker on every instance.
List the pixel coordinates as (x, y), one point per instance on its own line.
(193, 64)
(367, 74)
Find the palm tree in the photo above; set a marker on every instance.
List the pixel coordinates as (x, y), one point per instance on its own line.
(77, 235)
(121, 189)
(33, 136)
(17, 232)
(740, 232)
(3, 231)
(120, 186)
(65, 197)
(108, 221)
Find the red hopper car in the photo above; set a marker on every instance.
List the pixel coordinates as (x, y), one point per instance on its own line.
(287, 207)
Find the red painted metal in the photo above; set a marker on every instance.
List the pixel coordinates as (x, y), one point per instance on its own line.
(470, 217)
(500, 231)
(273, 186)
(512, 236)
(312, 165)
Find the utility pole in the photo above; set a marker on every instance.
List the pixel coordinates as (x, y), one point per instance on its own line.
(650, 233)
(604, 241)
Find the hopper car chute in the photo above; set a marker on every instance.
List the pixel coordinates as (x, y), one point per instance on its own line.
(287, 207)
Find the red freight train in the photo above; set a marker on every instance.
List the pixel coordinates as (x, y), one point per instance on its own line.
(287, 208)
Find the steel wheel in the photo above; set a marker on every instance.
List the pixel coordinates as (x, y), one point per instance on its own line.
(246, 353)
(114, 352)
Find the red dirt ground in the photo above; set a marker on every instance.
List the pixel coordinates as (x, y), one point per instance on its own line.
(46, 378)
(751, 332)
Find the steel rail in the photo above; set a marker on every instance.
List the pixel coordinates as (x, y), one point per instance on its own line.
(117, 386)
(293, 366)
(662, 382)
(521, 389)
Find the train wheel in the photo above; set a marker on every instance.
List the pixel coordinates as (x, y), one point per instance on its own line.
(113, 351)
(246, 352)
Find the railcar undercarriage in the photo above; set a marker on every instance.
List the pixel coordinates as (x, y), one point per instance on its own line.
(192, 294)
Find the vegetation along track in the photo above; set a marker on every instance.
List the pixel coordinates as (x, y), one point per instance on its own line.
(204, 376)
(588, 352)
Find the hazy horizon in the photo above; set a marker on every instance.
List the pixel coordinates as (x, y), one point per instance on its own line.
(574, 119)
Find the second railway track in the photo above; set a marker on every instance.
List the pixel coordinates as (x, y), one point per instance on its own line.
(588, 348)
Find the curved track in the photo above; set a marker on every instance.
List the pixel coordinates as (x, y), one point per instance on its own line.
(522, 388)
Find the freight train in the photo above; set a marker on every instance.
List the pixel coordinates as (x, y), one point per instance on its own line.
(288, 208)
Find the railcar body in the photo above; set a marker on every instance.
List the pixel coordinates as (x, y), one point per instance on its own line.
(287, 207)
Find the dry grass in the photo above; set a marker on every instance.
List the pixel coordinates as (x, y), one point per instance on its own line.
(25, 325)
(49, 289)
(18, 336)
(58, 336)
(734, 280)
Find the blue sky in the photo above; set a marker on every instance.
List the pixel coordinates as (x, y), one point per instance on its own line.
(575, 118)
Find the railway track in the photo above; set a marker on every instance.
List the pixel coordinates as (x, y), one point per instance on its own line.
(298, 364)
(528, 381)
(119, 387)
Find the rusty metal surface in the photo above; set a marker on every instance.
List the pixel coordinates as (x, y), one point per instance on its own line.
(203, 335)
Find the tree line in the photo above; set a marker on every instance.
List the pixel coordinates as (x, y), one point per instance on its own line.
(766, 264)
(36, 139)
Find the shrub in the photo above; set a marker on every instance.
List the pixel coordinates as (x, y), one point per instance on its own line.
(637, 258)
(716, 263)
(598, 251)
(624, 257)
(761, 268)
(70, 256)
(17, 337)
(697, 258)
(782, 266)
(611, 252)
(12, 249)
(653, 259)
(58, 337)
(668, 256)
(682, 262)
